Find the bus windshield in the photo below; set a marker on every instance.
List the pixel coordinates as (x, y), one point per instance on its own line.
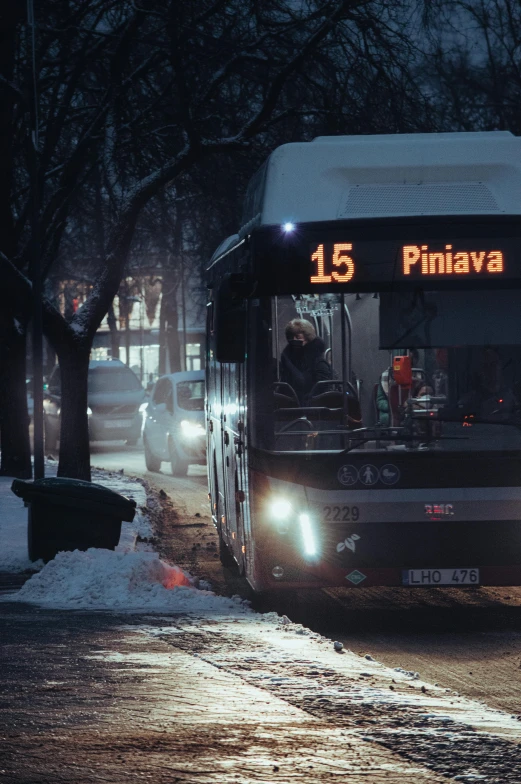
(359, 372)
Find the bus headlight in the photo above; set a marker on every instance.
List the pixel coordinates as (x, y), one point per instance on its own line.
(191, 429)
(280, 510)
(308, 537)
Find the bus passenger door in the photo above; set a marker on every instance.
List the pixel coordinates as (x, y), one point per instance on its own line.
(214, 425)
(232, 438)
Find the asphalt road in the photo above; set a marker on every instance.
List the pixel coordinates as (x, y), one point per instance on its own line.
(190, 493)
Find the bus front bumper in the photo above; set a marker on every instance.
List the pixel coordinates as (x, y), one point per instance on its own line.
(461, 554)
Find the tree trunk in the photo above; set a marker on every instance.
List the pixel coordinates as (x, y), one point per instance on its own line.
(114, 333)
(14, 417)
(174, 346)
(74, 427)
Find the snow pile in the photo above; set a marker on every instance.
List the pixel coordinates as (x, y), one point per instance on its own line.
(135, 581)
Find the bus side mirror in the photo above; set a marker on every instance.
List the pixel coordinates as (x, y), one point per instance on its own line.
(230, 319)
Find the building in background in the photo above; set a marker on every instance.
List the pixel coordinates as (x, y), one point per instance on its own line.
(155, 325)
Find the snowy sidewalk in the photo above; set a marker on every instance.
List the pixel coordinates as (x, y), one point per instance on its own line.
(98, 697)
(172, 683)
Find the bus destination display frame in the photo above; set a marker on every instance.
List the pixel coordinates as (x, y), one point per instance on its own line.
(433, 253)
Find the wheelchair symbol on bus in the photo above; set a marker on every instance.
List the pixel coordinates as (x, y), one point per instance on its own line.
(368, 475)
(347, 475)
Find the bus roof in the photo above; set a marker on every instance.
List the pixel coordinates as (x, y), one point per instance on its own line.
(340, 177)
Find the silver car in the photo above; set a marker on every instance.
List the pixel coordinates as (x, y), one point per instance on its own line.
(115, 396)
(174, 427)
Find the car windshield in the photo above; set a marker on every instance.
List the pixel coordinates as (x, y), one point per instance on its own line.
(190, 395)
(112, 379)
(350, 373)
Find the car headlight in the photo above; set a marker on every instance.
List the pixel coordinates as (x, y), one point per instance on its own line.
(89, 411)
(191, 429)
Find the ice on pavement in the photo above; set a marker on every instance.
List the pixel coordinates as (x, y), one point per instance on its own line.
(133, 581)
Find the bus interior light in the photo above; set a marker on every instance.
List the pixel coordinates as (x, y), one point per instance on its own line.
(280, 509)
(310, 547)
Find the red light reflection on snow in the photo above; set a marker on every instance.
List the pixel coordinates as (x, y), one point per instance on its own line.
(174, 577)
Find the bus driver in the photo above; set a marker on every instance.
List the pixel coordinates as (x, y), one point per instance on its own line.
(302, 362)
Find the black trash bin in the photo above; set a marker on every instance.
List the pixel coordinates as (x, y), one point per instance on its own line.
(69, 514)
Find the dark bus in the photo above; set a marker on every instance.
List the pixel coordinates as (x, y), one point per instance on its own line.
(364, 366)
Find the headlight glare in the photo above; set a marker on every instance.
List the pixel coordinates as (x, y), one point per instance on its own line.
(308, 538)
(280, 509)
(191, 429)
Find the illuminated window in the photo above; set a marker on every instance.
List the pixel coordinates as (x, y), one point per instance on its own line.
(193, 356)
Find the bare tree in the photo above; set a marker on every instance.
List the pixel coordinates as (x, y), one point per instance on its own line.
(137, 99)
(473, 64)
(73, 103)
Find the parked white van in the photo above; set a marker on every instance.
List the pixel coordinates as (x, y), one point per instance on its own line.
(174, 428)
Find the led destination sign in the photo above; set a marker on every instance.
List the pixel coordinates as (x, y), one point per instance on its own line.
(369, 256)
(340, 263)
(421, 260)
